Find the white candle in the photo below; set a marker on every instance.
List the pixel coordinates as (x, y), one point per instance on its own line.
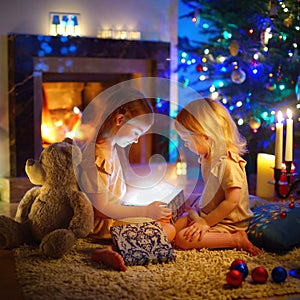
(279, 141)
(289, 137)
(265, 175)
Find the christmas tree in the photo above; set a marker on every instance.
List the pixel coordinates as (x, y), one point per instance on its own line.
(248, 58)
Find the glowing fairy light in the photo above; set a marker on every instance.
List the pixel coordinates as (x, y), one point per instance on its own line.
(224, 101)
(212, 89)
(256, 56)
(240, 121)
(215, 95)
(239, 104)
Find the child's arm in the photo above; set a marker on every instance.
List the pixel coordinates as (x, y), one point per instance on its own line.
(200, 226)
(104, 208)
(232, 198)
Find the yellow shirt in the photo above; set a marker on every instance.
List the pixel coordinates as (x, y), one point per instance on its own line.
(234, 176)
(110, 179)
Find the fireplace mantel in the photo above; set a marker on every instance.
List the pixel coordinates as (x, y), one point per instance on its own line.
(32, 57)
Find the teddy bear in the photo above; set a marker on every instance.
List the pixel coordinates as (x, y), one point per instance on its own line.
(54, 213)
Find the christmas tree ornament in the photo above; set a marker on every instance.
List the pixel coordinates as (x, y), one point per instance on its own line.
(279, 274)
(259, 274)
(236, 262)
(199, 68)
(242, 267)
(234, 48)
(292, 204)
(254, 123)
(234, 278)
(283, 214)
(238, 76)
(288, 22)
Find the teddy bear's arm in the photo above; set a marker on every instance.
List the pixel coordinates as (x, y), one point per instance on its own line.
(25, 204)
(83, 218)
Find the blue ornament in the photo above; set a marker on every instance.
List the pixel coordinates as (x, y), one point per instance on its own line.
(242, 268)
(279, 274)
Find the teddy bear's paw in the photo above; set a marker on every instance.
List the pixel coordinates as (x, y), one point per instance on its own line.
(10, 233)
(57, 243)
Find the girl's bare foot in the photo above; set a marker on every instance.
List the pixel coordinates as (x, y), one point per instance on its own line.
(244, 243)
(110, 257)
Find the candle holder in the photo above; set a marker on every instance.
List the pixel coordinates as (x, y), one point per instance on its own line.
(291, 184)
(290, 181)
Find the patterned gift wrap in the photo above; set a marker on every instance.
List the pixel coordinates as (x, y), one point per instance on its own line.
(142, 243)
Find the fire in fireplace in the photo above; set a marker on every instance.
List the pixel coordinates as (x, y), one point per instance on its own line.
(52, 79)
(61, 110)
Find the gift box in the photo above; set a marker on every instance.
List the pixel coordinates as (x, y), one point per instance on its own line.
(172, 196)
(142, 243)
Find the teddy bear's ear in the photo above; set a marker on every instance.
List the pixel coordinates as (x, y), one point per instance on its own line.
(76, 151)
(68, 140)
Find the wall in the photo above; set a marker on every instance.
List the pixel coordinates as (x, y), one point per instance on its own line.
(156, 20)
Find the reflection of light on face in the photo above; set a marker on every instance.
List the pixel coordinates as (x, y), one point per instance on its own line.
(196, 143)
(130, 133)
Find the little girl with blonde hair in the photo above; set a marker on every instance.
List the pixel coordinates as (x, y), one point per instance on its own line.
(221, 217)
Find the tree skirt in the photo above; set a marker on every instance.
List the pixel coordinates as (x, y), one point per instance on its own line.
(193, 275)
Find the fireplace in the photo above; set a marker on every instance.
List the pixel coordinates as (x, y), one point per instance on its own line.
(41, 66)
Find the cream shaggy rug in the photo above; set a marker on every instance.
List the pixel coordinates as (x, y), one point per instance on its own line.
(193, 275)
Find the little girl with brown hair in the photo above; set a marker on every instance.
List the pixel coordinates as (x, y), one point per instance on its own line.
(123, 114)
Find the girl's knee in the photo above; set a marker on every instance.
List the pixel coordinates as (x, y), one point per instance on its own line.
(181, 242)
(169, 230)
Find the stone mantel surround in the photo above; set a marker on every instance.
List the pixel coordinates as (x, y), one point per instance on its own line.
(34, 57)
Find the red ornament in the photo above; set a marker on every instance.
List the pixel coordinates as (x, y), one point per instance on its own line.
(283, 187)
(259, 274)
(283, 215)
(292, 205)
(199, 68)
(234, 278)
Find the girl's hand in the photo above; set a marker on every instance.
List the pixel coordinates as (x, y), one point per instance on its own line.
(157, 210)
(196, 230)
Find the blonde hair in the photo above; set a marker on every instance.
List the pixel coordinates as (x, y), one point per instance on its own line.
(235, 142)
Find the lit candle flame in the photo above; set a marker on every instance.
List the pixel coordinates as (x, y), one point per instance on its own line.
(279, 117)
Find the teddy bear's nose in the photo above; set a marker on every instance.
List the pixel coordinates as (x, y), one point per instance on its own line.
(30, 161)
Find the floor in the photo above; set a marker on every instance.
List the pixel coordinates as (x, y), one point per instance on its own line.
(9, 288)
